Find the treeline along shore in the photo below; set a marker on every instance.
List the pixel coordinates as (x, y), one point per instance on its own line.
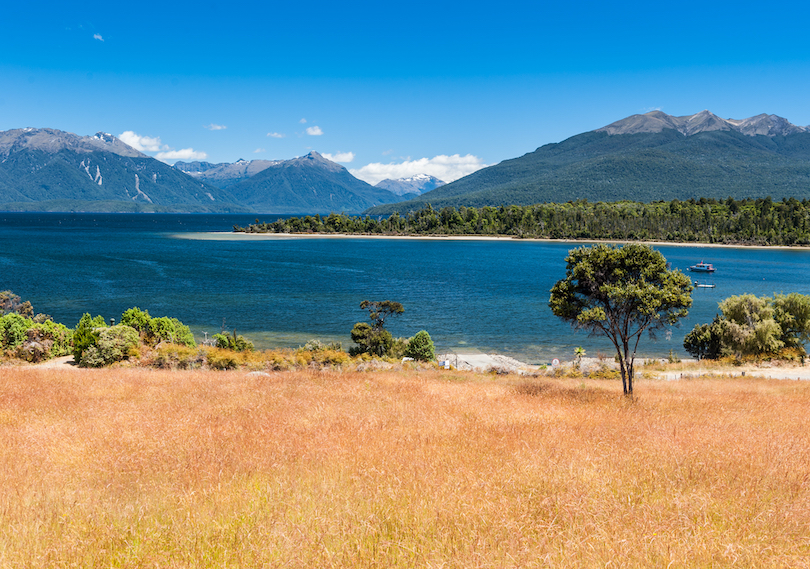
(734, 222)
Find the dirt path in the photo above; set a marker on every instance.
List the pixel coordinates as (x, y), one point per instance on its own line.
(65, 362)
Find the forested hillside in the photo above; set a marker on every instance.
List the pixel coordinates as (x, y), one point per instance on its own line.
(751, 222)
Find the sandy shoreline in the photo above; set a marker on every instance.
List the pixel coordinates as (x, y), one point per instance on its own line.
(234, 236)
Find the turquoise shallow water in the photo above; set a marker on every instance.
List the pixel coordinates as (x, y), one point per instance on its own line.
(470, 295)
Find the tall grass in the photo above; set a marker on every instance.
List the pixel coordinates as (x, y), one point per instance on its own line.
(149, 468)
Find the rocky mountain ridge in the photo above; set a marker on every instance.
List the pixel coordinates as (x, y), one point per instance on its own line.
(224, 174)
(52, 141)
(704, 121)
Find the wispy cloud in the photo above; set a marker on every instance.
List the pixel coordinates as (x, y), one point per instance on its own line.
(164, 151)
(98, 37)
(303, 121)
(142, 143)
(183, 154)
(314, 131)
(446, 168)
(276, 135)
(213, 126)
(344, 157)
(259, 150)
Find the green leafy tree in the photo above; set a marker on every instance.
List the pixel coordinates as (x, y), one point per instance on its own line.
(165, 329)
(86, 334)
(137, 319)
(375, 339)
(621, 292)
(378, 311)
(750, 327)
(421, 347)
(792, 313)
(705, 341)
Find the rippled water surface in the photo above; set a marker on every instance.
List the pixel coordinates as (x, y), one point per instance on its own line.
(470, 295)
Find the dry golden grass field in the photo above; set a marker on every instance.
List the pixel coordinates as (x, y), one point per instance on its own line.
(148, 468)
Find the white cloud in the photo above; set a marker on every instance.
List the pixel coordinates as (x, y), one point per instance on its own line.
(98, 37)
(303, 121)
(164, 151)
(314, 131)
(344, 157)
(184, 154)
(446, 168)
(276, 135)
(213, 126)
(258, 150)
(142, 143)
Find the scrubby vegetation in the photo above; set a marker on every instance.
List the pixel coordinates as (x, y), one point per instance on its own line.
(27, 336)
(754, 327)
(748, 221)
(166, 343)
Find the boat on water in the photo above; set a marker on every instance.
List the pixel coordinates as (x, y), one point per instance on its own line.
(702, 268)
(704, 285)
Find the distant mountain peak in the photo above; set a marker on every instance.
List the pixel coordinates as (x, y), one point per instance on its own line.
(53, 140)
(416, 184)
(704, 121)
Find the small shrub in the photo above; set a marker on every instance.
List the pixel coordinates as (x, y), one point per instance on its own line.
(421, 347)
(222, 359)
(113, 345)
(233, 342)
(318, 346)
(175, 356)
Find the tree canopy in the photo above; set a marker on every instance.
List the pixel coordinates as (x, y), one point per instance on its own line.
(621, 292)
(753, 326)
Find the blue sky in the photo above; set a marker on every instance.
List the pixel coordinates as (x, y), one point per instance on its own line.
(390, 89)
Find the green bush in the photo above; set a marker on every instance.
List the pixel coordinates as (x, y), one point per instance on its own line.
(86, 334)
(137, 318)
(13, 329)
(44, 341)
(113, 345)
(421, 347)
(59, 334)
(233, 342)
(377, 342)
(170, 330)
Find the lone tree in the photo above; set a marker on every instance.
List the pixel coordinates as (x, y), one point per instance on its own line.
(620, 292)
(374, 338)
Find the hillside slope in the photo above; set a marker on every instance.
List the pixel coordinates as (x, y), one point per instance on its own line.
(644, 158)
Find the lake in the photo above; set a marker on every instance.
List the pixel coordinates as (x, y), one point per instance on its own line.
(470, 295)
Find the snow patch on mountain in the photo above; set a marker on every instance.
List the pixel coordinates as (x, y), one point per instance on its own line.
(416, 184)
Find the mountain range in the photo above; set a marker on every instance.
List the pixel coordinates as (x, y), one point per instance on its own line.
(52, 170)
(645, 157)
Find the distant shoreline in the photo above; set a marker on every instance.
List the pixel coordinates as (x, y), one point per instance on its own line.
(242, 236)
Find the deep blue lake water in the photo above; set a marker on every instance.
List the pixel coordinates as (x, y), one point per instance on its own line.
(470, 295)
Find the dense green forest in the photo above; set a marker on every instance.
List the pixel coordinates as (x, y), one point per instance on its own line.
(748, 221)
